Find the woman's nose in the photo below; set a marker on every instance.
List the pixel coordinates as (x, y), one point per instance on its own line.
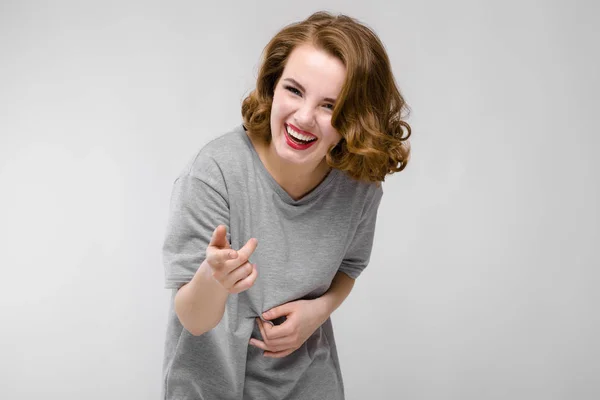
(305, 116)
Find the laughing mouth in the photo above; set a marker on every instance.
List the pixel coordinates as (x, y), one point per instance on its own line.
(299, 137)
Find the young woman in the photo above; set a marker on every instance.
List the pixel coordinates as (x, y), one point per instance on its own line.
(272, 222)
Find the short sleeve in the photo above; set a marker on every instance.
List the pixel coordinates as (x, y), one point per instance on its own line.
(359, 251)
(197, 207)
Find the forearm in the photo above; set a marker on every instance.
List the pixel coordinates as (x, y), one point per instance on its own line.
(200, 304)
(340, 288)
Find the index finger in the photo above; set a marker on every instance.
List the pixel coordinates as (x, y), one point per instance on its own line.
(245, 252)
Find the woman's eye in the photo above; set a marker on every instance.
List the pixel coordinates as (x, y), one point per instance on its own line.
(329, 106)
(293, 90)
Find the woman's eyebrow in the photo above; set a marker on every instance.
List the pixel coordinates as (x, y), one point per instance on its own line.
(295, 82)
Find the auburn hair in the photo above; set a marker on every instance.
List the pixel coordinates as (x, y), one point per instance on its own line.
(370, 111)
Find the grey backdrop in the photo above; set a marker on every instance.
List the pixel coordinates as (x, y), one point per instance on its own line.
(483, 280)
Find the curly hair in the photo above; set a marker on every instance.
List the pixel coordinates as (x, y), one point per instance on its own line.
(369, 114)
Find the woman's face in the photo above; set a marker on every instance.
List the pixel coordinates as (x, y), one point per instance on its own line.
(303, 104)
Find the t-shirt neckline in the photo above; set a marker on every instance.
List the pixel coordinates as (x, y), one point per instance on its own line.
(307, 198)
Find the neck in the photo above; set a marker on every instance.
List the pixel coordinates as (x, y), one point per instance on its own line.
(297, 182)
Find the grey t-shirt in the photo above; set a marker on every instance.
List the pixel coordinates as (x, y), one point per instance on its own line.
(301, 245)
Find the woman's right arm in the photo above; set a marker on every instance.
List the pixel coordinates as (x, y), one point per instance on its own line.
(200, 304)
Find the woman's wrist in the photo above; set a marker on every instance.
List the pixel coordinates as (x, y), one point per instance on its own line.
(323, 306)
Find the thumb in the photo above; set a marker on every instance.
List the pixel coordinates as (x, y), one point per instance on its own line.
(219, 237)
(280, 311)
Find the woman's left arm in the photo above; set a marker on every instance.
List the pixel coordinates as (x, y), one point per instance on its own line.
(303, 318)
(340, 288)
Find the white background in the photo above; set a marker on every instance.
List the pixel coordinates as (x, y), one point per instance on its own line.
(484, 275)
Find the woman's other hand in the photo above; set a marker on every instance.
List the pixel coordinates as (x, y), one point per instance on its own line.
(302, 319)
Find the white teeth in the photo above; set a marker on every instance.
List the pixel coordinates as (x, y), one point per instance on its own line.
(299, 135)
